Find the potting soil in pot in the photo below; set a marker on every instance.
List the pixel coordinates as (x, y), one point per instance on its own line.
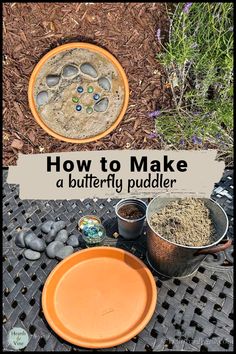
(186, 221)
(131, 212)
(78, 93)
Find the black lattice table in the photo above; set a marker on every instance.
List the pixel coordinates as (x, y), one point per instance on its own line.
(194, 313)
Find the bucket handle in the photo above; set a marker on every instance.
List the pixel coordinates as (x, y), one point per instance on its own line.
(214, 249)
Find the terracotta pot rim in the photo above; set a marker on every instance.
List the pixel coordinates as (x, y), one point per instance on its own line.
(57, 50)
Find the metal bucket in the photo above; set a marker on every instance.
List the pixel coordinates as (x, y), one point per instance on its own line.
(173, 260)
(130, 229)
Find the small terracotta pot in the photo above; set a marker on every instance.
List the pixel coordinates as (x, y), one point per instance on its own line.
(62, 48)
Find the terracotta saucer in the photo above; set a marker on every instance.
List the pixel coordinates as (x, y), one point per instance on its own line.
(93, 48)
(99, 297)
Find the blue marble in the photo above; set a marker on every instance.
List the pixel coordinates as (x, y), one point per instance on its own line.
(78, 107)
(80, 89)
(96, 96)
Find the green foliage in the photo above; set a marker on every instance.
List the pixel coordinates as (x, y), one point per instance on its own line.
(198, 58)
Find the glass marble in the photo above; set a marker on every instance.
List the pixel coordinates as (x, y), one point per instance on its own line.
(80, 89)
(89, 110)
(78, 107)
(96, 96)
(93, 234)
(90, 89)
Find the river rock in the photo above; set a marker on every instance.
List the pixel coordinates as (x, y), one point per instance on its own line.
(51, 236)
(29, 237)
(42, 98)
(55, 228)
(32, 255)
(62, 236)
(64, 252)
(73, 241)
(88, 69)
(58, 225)
(69, 70)
(46, 227)
(20, 239)
(52, 80)
(101, 105)
(37, 244)
(53, 248)
(104, 83)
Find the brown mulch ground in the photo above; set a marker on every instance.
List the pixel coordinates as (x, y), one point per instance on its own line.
(127, 30)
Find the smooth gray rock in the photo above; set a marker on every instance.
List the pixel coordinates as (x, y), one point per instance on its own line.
(104, 83)
(55, 228)
(101, 105)
(29, 237)
(52, 80)
(32, 255)
(51, 236)
(64, 252)
(69, 70)
(88, 69)
(42, 98)
(20, 239)
(62, 236)
(46, 227)
(53, 248)
(37, 244)
(73, 241)
(58, 225)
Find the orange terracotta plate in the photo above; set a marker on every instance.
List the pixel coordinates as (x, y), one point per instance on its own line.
(99, 297)
(58, 50)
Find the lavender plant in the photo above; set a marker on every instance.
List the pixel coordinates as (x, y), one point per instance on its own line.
(198, 59)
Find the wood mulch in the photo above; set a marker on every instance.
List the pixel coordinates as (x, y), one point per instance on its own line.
(127, 30)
